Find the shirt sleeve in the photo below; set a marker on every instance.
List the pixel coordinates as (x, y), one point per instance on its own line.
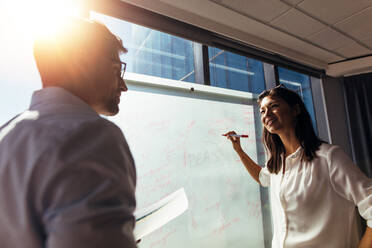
(351, 183)
(87, 194)
(264, 177)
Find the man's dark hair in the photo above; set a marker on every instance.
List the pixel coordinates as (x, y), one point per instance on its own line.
(304, 130)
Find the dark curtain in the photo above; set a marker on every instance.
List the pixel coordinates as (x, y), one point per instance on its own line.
(358, 97)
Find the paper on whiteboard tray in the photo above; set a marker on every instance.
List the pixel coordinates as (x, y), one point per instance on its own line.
(160, 213)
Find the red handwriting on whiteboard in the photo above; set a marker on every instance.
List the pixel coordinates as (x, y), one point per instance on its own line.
(184, 158)
(254, 209)
(163, 239)
(151, 188)
(163, 178)
(224, 226)
(214, 205)
(185, 136)
(248, 112)
(194, 223)
(191, 125)
(151, 172)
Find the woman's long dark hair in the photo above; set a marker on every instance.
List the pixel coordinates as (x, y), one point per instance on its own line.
(304, 130)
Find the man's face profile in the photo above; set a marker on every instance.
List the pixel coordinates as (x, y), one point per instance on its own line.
(109, 85)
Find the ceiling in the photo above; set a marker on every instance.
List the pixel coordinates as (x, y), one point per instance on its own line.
(334, 35)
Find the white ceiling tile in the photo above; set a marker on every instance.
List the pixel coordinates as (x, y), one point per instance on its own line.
(330, 39)
(332, 11)
(358, 26)
(353, 50)
(212, 15)
(323, 55)
(262, 10)
(298, 24)
(300, 46)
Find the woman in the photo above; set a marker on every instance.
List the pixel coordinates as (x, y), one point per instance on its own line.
(314, 186)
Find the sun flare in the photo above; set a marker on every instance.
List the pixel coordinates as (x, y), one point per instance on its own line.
(40, 17)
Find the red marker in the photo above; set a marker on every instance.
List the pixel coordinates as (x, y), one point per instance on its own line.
(236, 135)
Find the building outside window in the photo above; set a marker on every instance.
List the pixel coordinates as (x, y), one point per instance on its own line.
(233, 71)
(152, 52)
(300, 83)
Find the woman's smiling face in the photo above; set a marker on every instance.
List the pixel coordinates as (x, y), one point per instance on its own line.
(276, 115)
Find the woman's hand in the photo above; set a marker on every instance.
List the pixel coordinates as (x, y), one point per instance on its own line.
(253, 168)
(366, 241)
(234, 140)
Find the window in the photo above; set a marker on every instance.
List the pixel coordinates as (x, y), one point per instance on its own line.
(299, 83)
(233, 71)
(162, 55)
(151, 52)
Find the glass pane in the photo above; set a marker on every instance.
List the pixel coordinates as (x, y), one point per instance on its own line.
(152, 52)
(299, 83)
(224, 201)
(233, 71)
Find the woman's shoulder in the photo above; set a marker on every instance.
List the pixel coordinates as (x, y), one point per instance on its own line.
(326, 149)
(332, 153)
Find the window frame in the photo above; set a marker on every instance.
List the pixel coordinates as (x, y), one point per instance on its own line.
(149, 19)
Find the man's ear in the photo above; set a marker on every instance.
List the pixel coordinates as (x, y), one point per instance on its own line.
(81, 65)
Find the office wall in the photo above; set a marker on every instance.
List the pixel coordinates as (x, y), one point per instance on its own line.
(336, 111)
(320, 109)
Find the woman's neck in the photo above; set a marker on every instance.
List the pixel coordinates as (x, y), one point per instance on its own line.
(290, 142)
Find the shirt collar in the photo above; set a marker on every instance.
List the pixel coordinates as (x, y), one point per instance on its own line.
(296, 153)
(56, 99)
(293, 155)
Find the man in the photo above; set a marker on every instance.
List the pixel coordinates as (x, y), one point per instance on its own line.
(67, 175)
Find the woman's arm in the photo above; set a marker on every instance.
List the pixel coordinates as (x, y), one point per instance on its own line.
(352, 184)
(253, 168)
(366, 241)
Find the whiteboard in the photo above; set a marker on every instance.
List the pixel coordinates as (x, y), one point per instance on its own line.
(175, 137)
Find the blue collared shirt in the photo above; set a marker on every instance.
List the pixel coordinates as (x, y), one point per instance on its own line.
(67, 177)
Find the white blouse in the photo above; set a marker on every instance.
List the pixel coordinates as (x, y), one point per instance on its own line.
(313, 203)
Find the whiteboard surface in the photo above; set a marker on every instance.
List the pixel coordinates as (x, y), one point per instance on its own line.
(177, 142)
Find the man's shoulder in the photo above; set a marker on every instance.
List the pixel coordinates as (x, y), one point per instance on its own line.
(72, 123)
(21, 127)
(84, 130)
(59, 133)
(54, 129)
(98, 127)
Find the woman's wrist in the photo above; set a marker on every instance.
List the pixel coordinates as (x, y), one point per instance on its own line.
(239, 150)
